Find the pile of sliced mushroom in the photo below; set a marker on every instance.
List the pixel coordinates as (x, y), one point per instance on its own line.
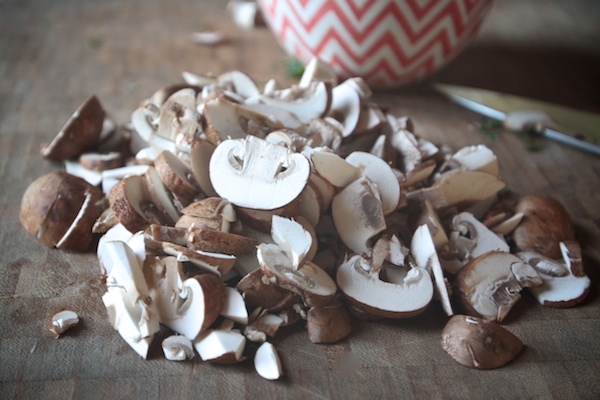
(232, 211)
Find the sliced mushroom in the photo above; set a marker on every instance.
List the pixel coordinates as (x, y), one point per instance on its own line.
(100, 162)
(132, 204)
(161, 197)
(313, 284)
(209, 213)
(64, 320)
(329, 323)
(292, 239)
(306, 103)
(111, 177)
(459, 188)
(334, 168)
(234, 306)
(478, 343)
(214, 241)
(80, 133)
(258, 291)
(545, 224)
(200, 161)
(317, 70)
(177, 177)
(61, 208)
(423, 250)
(221, 346)
(380, 173)
(358, 214)
(267, 363)
(225, 119)
(346, 106)
(490, 285)
(477, 158)
(363, 288)
(187, 306)
(256, 174)
(178, 348)
(241, 83)
(565, 285)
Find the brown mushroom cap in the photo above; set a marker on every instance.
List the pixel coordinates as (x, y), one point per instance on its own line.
(545, 224)
(478, 343)
(80, 133)
(52, 203)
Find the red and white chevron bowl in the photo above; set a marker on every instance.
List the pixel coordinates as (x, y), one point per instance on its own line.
(387, 42)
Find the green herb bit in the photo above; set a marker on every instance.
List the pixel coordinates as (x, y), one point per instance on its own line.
(530, 142)
(295, 68)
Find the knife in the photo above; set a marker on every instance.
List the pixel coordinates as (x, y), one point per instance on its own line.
(575, 128)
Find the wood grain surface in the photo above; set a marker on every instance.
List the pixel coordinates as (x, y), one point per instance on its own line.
(54, 54)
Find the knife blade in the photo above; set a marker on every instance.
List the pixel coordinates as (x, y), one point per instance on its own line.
(576, 128)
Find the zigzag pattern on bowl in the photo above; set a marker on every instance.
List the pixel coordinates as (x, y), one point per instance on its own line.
(385, 42)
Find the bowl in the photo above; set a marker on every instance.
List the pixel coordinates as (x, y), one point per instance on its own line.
(386, 42)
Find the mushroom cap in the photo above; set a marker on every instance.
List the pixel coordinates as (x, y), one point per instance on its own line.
(80, 133)
(478, 343)
(254, 173)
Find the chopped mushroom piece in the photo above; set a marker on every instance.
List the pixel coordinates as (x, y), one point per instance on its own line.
(478, 343)
(178, 348)
(364, 289)
(64, 320)
(267, 363)
(221, 346)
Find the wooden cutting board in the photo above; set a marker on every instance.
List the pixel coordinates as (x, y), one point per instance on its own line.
(55, 54)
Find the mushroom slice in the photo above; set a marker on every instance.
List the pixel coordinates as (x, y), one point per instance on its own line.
(478, 343)
(75, 168)
(545, 224)
(380, 173)
(311, 282)
(111, 177)
(325, 188)
(161, 197)
(329, 323)
(187, 306)
(132, 204)
(430, 217)
(214, 241)
(419, 173)
(221, 346)
(346, 106)
(477, 158)
(311, 204)
(215, 263)
(162, 233)
(241, 83)
(459, 188)
(177, 177)
(258, 291)
(423, 250)
(234, 306)
(267, 363)
(257, 174)
(471, 239)
(305, 103)
(405, 143)
(358, 214)
(292, 239)
(57, 203)
(80, 133)
(99, 162)
(523, 120)
(490, 285)
(64, 320)
(563, 290)
(178, 348)
(334, 168)
(260, 220)
(225, 119)
(317, 70)
(364, 289)
(124, 317)
(209, 213)
(200, 156)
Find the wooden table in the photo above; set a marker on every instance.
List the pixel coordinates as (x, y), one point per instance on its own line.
(54, 54)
